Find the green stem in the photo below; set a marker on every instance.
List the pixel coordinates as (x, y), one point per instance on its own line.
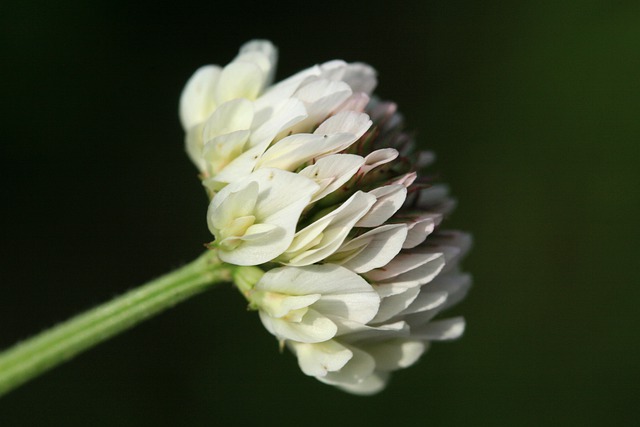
(36, 355)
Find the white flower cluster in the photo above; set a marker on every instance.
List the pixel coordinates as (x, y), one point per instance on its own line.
(316, 184)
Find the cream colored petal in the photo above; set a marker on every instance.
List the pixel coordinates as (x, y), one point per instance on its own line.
(389, 199)
(454, 284)
(394, 354)
(238, 169)
(404, 262)
(331, 172)
(420, 275)
(231, 116)
(197, 100)
(264, 53)
(231, 203)
(279, 305)
(440, 330)
(356, 102)
(272, 121)
(375, 248)
(406, 179)
(194, 145)
(318, 359)
(418, 230)
(355, 371)
(223, 149)
(378, 158)
(350, 122)
(336, 226)
(333, 70)
(240, 79)
(426, 300)
(296, 150)
(262, 243)
(285, 88)
(390, 306)
(376, 333)
(313, 328)
(280, 199)
(374, 383)
(361, 77)
(344, 294)
(282, 193)
(326, 279)
(321, 97)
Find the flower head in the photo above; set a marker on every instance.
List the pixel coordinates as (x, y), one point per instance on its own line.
(318, 196)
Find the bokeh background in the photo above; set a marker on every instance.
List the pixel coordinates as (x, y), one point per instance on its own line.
(531, 107)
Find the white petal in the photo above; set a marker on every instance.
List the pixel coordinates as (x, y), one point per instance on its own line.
(359, 307)
(280, 200)
(389, 199)
(285, 88)
(282, 194)
(350, 122)
(406, 179)
(267, 59)
(390, 306)
(320, 358)
(357, 369)
(197, 99)
(403, 263)
(398, 353)
(279, 305)
(345, 295)
(313, 328)
(228, 117)
(276, 119)
(231, 203)
(374, 383)
(238, 169)
(295, 150)
(420, 275)
(454, 244)
(455, 285)
(331, 172)
(377, 333)
(426, 300)
(321, 97)
(361, 77)
(418, 230)
(315, 90)
(356, 102)
(440, 330)
(377, 158)
(331, 229)
(389, 289)
(333, 70)
(223, 149)
(193, 145)
(373, 249)
(326, 279)
(240, 79)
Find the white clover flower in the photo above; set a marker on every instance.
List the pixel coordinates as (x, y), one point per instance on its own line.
(319, 198)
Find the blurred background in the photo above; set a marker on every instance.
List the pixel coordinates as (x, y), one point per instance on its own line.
(531, 107)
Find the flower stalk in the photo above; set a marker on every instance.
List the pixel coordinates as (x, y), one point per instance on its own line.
(34, 356)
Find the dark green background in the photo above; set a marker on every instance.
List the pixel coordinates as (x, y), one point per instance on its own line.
(532, 108)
